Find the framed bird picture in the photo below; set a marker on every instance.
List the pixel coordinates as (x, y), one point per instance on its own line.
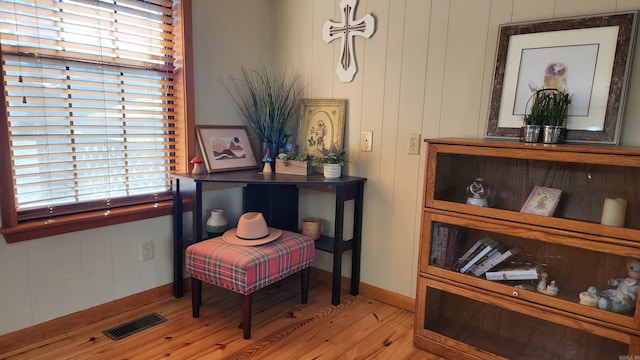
(587, 58)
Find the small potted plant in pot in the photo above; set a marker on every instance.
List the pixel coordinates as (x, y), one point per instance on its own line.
(293, 162)
(555, 122)
(332, 160)
(549, 109)
(533, 120)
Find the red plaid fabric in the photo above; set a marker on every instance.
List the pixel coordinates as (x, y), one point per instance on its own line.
(245, 269)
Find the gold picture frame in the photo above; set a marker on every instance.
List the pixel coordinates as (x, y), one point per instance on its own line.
(226, 148)
(322, 124)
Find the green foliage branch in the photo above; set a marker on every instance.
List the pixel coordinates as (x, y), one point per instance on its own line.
(267, 102)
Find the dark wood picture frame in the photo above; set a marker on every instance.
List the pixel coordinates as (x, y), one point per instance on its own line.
(563, 30)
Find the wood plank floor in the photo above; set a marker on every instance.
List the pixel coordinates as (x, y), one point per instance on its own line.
(358, 328)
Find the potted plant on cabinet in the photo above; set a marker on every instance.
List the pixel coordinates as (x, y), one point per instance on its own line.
(548, 111)
(268, 103)
(332, 160)
(554, 125)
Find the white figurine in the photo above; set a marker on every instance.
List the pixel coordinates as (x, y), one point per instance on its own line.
(552, 289)
(542, 285)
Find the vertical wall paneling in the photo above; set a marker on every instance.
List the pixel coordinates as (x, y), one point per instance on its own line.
(381, 220)
(526, 10)
(323, 73)
(370, 164)
(566, 8)
(404, 222)
(500, 14)
(462, 87)
(436, 62)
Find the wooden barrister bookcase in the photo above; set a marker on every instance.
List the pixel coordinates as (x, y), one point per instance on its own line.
(463, 315)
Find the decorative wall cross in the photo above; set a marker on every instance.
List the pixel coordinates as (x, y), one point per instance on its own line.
(346, 30)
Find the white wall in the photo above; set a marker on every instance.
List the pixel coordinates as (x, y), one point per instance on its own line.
(427, 69)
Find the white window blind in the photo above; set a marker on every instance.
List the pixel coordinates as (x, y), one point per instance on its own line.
(88, 89)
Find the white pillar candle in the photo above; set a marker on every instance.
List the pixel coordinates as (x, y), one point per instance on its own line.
(613, 212)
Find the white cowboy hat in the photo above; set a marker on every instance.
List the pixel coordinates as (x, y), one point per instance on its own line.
(252, 230)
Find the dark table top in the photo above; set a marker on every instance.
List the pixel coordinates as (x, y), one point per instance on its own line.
(254, 176)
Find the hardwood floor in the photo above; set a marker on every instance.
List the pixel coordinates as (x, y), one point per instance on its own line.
(282, 328)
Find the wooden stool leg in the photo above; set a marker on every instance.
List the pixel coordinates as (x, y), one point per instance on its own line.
(304, 283)
(246, 315)
(196, 296)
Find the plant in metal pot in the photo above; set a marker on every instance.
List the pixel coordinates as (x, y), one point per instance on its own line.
(554, 125)
(549, 107)
(536, 113)
(267, 102)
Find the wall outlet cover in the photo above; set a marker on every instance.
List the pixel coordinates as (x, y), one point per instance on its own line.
(414, 144)
(366, 139)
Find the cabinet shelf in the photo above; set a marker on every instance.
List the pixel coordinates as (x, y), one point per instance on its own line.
(571, 247)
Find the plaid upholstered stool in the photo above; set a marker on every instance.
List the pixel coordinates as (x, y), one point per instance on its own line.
(245, 269)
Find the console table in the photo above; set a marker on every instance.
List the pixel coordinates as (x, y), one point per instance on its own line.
(276, 196)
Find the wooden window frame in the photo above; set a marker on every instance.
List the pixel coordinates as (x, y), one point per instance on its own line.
(14, 231)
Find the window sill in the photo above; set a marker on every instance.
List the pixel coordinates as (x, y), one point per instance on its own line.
(29, 230)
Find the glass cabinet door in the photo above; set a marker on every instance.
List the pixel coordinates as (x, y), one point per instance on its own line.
(478, 326)
(534, 265)
(588, 186)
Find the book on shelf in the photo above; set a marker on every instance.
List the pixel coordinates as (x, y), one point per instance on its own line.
(487, 246)
(456, 235)
(497, 249)
(443, 234)
(494, 260)
(542, 201)
(515, 272)
(435, 245)
(444, 244)
(467, 254)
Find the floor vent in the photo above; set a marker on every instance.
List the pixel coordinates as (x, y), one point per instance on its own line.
(133, 326)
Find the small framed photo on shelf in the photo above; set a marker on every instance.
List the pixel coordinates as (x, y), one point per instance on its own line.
(542, 201)
(225, 148)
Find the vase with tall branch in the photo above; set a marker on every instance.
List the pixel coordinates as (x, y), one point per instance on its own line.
(268, 103)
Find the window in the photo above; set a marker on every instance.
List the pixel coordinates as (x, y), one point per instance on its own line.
(92, 107)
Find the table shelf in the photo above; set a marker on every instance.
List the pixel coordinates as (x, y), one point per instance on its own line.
(326, 243)
(276, 197)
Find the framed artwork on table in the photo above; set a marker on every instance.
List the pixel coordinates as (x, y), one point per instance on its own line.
(322, 124)
(226, 148)
(588, 58)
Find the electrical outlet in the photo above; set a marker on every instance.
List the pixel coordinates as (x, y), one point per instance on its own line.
(366, 137)
(414, 144)
(146, 250)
